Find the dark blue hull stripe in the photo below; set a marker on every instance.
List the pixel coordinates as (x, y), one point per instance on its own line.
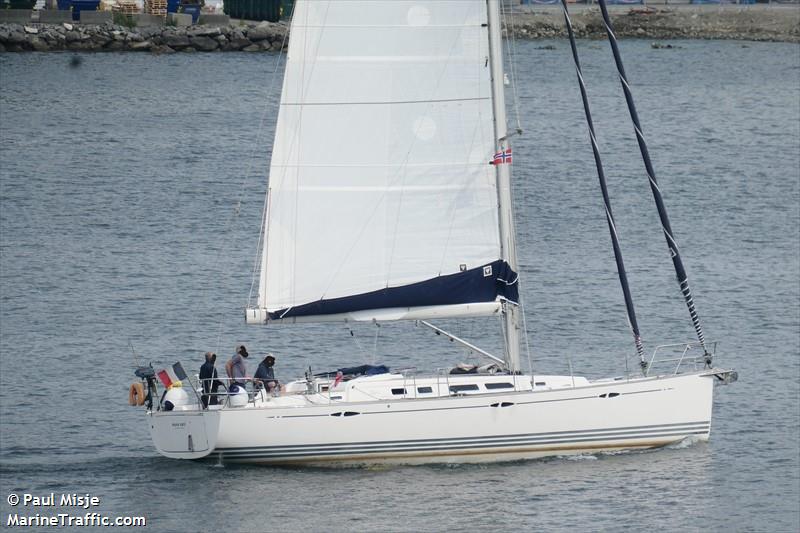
(586, 432)
(506, 447)
(483, 284)
(509, 443)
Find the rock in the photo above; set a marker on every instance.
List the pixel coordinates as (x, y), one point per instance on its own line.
(39, 45)
(251, 48)
(176, 41)
(204, 44)
(151, 32)
(16, 38)
(259, 33)
(50, 35)
(189, 49)
(101, 39)
(81, 45)
(160, 49)
(71, 36)
(30, 29)
(204, 32)
(67, 26)
(115, 45)
(141, 45)
(238, 43)
(221, 39)
(2, 48)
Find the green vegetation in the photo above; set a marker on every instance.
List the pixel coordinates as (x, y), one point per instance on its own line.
(121, 19)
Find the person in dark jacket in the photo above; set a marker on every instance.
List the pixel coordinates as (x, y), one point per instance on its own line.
(265, 374)
(208, 377)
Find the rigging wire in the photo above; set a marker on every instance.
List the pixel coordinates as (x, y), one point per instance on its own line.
(525, 331)
(358, 343)
(612, 227)
(680, 271)
(262, 234)
(511, 46)
(245, 179)
(375, 344)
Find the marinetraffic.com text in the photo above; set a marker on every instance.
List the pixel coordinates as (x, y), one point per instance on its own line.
(63, 510)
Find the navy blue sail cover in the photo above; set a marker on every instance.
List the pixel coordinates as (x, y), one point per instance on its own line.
(483, 284)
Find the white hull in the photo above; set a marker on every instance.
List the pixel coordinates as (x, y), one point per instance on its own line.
(594, 416)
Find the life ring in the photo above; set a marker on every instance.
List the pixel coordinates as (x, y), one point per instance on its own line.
(136, 394)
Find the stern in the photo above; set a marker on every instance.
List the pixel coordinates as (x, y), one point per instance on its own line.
(184, 434)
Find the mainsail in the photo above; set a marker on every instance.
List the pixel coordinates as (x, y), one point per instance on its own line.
(381, 201)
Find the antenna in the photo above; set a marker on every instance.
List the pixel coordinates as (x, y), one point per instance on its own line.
(135, 357)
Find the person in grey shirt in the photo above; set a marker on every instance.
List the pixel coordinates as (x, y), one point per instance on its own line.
(236, 368)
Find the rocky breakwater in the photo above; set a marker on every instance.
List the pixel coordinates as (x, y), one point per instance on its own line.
(752, 22)
(263, 37)
(746, 23)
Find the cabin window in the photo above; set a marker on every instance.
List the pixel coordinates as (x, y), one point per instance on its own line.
(461, 388)
(424, 390)
(399, 392)
(541, 383)
(504, 385)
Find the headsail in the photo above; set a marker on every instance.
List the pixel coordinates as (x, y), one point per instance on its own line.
(381, 192)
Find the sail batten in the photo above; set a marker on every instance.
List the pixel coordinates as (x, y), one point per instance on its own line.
(381, 192)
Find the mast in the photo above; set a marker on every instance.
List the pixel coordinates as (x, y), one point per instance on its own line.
(506, 215)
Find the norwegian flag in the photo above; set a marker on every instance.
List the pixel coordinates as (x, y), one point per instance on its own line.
(501, 158)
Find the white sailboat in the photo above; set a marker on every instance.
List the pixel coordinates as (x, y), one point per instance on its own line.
(382, 206)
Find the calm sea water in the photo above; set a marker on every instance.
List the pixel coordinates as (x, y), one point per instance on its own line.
(120, 181)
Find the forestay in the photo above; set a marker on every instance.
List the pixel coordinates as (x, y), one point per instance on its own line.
(381, 196)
